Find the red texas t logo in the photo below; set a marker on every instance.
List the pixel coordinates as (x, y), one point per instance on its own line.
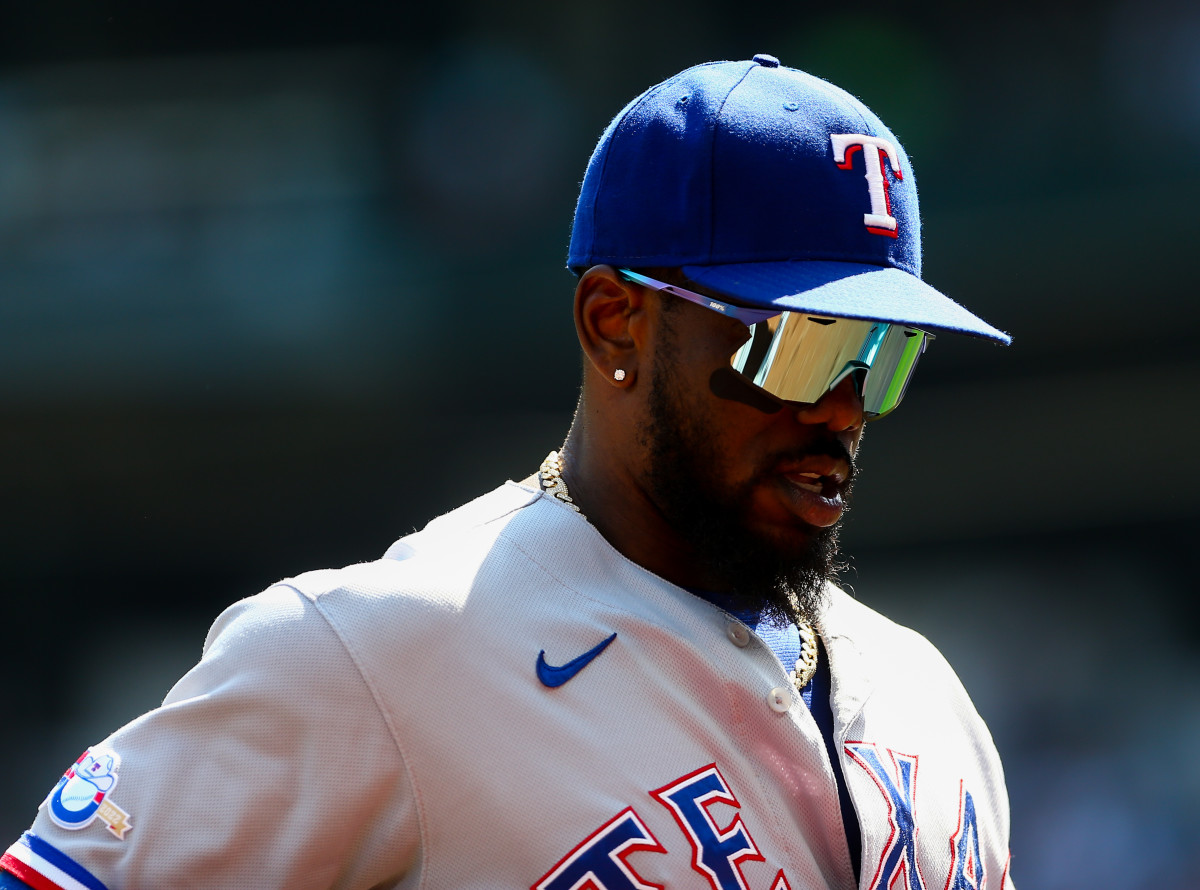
(880, 220)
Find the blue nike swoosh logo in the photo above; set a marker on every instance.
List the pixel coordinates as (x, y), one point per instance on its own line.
(556, 676)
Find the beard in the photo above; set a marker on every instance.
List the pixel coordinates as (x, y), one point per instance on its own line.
(784, 579)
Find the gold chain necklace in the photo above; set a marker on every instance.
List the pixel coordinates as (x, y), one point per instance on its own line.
(552, 480)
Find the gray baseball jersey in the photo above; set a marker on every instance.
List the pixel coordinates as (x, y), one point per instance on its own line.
(504, 700)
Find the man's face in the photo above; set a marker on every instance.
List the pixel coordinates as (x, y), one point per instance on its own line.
(755, 486)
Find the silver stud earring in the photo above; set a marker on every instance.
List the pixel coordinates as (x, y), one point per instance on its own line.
(619, 374)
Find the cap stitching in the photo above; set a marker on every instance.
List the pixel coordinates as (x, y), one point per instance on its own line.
(615, 125)
(712, 191)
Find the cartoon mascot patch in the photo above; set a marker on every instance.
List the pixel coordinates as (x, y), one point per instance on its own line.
(82, 794)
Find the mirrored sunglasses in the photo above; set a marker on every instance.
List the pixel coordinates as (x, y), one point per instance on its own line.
(798, 356)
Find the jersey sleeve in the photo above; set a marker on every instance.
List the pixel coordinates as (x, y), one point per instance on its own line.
(269, 764)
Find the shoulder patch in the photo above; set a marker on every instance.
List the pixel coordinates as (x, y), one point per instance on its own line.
(82, 794)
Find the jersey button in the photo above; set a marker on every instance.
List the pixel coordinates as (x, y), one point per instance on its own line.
(780, 699)
(737, 633)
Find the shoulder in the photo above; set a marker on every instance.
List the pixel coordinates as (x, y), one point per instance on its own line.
(314, 617)
(463, 569)
(489, 511)
(423, 565)
(882, 640)
(891, 676)
(883, 668)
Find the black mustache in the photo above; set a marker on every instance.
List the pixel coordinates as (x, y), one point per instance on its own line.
(825, 446)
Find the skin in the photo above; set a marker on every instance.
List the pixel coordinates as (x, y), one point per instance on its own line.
(764, 444)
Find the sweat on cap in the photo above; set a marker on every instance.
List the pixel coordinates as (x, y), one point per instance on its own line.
(769, 185)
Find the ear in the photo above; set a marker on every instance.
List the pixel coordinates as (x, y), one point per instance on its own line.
(610, 320)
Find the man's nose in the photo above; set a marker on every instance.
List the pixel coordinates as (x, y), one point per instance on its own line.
(840, 409)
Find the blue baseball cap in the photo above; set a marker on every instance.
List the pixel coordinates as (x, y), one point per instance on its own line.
(768, 185)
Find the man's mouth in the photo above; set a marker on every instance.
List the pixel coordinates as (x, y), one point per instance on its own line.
(817, 484)
(819, 473)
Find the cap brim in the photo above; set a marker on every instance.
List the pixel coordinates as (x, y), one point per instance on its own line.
(845, 290)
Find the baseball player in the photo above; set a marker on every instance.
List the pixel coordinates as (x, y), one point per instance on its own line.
(630, 670)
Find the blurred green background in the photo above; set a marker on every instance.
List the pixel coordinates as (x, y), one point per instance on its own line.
(235, 241)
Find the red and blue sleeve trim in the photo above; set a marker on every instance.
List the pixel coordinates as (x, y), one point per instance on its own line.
(43, 867)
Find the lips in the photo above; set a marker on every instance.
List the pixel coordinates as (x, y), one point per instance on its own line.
(814, 488)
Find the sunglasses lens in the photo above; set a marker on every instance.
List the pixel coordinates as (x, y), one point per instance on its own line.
(799, 358)
(891, 370)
